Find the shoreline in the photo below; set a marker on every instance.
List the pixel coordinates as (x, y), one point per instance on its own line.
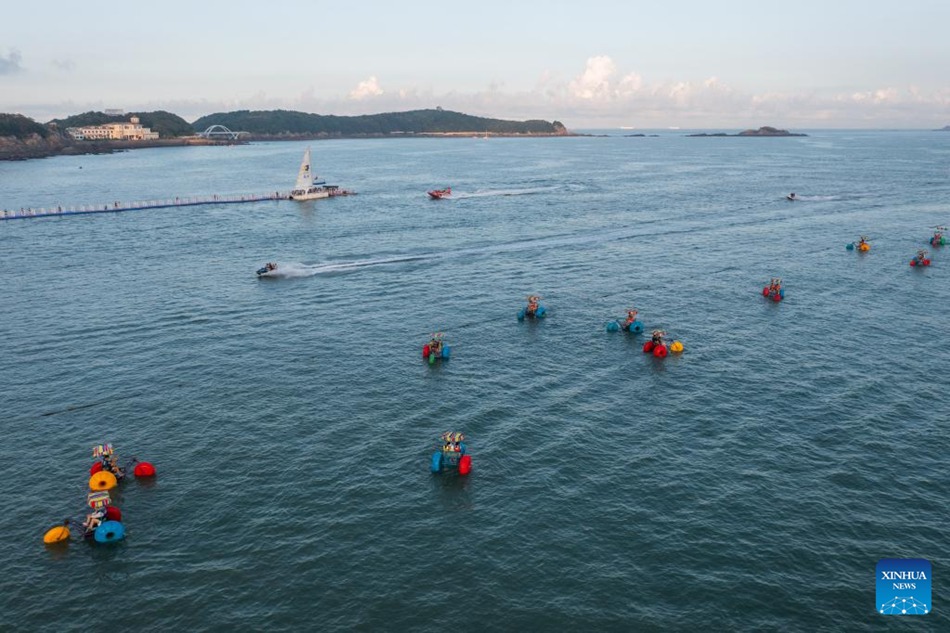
(35, 147)
(12, 149)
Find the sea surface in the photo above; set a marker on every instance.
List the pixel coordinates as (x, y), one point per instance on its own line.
(750, 483)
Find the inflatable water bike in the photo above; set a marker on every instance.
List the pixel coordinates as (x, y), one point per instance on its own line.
(661, 350)
(435, 349)
(102, 525)
(533, 310)
(920, 262)
(451, 456)
(862, 246)
(939, 239)
(774, 291)
(268, 270)
(106, 473)
(634, 327)
(107, 531)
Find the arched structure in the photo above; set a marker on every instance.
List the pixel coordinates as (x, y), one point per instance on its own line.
(219, 131)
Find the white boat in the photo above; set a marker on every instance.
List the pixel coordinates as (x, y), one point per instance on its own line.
(307, 188)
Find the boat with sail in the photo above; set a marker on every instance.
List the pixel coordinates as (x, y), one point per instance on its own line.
(308, 187)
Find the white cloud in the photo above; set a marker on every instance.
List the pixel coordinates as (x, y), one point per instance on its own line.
(881, 95)
(10, 63)
(601, 95)
(65, 65)
(594, 83)
(366, 89)
(629, 85)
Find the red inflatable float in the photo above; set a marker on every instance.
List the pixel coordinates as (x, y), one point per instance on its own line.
(113, 513)
(465, 464)
(648, 347)
(660, 351)
(144, 469)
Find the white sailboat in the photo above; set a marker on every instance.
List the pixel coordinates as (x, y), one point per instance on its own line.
(307, 188)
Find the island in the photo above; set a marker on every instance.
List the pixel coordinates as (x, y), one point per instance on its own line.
(762, 131)
(290, 124)
(22, 138)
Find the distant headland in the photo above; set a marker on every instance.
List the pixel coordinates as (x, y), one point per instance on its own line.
(945, 128)
(99, 132)
(762, 131)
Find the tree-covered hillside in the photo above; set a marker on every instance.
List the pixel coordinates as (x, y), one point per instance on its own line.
(167, 125)
(288, 122)
(19, 126)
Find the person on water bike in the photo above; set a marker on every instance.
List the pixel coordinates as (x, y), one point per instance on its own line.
(111, 465)
(94, 519)
(863, 240)
(533, 302)
(435, 344)
(921, 256)
(657, 337)
(631, 317)
(775, 286)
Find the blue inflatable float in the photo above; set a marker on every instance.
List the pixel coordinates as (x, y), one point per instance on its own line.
(636, 327)
(109, 532)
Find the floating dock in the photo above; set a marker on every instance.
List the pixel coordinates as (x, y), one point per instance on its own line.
(117, 207)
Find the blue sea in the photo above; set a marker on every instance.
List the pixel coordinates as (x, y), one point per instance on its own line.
(749, 483)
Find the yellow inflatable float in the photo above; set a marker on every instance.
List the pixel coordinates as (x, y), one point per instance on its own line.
(102, 480)
(676, 347)
(55, 535)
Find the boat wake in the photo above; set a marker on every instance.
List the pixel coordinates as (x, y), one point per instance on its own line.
(567, 240)
(297, 270)
(291, 270)
(817, 198)
(488, 193)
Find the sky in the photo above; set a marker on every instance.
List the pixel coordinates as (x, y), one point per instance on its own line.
(794, 64)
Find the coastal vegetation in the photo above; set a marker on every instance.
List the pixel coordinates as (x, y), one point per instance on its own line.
(167, 125)
(432, 121)
(21, 137)
(19, 126)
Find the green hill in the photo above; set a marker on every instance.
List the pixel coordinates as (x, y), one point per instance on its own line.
(167, 125)
(19, 126)
(438, 121)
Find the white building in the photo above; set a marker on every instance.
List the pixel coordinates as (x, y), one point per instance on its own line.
(131, 131)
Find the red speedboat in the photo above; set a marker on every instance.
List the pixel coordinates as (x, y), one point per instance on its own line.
(438, 194)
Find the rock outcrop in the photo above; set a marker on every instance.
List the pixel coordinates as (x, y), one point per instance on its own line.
(762, 131)
(768, 131)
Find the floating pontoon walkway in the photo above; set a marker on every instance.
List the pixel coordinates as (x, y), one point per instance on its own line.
(116, 207)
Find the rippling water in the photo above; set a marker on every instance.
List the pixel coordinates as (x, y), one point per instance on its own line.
(751, 483)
